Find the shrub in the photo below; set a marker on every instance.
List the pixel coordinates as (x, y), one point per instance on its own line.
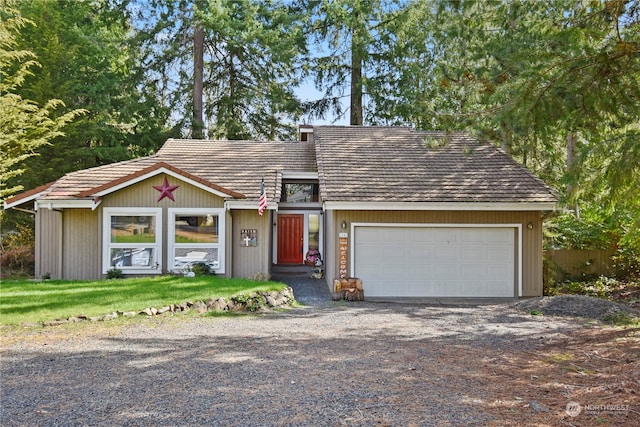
(115, 273)
(201, 269)
(18, 251)
(252, 302)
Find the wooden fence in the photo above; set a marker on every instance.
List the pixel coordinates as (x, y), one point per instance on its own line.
(563, 264)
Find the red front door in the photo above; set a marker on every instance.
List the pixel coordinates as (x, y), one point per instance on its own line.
(290, 239)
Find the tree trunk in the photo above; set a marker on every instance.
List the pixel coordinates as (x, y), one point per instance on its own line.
(571, 159)
(571, 150)
(507, 139)
(197, 126)
(356, 80)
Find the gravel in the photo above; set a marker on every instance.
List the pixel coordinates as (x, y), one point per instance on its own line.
(327, 363)
(579, 306)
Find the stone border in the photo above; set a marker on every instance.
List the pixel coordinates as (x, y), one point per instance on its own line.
(256, 302)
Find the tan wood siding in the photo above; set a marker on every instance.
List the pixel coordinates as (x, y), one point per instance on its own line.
(48, 249)
(249, 261)
(143, 195)
(81, 245)
(329, 255)
(531, 244)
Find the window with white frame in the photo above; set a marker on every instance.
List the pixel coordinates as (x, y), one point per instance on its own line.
(196, 236)
(133, 240)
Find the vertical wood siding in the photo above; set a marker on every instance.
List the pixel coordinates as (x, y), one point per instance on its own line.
(331, 247)
(69, 243)
(531, 244)
(143, 195)
(48, 248)
(81, 244)
(249, 261)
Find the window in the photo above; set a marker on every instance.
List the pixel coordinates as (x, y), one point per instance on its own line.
(196, 236)
(300, 192)
(133, 240)
(314, 231)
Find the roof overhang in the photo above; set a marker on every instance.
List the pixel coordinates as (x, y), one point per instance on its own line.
(158, 169)
(299, 175)
(27, 196)
(248, 204)
(439, 206)
(52, 204)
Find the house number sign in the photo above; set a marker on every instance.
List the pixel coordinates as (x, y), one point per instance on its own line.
(249, 238)
(343, 251)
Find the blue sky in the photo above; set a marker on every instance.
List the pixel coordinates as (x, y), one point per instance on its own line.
(308, 92)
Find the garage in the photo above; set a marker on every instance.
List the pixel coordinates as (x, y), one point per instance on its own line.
(435, 261)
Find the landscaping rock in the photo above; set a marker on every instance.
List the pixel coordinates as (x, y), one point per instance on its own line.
(110, 316)
(220, 304)
(200, 307)
(261, 302)
(271, 301)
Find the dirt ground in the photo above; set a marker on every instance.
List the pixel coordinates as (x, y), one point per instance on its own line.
(341, 364)
(597, 368)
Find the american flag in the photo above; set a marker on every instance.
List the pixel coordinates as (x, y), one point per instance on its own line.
(262, 205)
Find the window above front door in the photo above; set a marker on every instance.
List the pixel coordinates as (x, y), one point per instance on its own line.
(299, 192)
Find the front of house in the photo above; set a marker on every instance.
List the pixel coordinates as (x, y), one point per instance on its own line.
(412, 214)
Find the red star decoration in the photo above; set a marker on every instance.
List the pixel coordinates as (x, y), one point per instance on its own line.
(166, 190)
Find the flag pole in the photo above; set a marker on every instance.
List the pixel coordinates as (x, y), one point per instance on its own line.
(262, 203)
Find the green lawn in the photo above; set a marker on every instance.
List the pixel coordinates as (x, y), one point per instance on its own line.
(26, 301)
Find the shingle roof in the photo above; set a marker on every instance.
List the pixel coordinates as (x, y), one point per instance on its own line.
(240, 165)
(398, 164)
(233, 167)
(354, 164)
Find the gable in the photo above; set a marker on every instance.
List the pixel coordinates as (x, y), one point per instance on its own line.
(143, 194)
(154, 170)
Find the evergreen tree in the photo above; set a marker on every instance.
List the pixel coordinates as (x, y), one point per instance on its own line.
(251, 62)
(25, 126)
(349, 39)
(86, 62)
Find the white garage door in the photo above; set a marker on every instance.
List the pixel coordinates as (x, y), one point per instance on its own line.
(435, 261)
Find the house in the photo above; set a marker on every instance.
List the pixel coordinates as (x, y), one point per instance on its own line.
(412, 214)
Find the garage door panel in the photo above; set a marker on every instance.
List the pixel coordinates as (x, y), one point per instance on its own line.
(436, 261)
(501, 235)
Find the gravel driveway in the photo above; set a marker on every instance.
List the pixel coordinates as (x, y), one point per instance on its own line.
(327, 364)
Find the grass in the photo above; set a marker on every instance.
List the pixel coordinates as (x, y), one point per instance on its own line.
(30, 302)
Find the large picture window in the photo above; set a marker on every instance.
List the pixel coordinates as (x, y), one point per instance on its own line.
(133, 240)
(196, 236)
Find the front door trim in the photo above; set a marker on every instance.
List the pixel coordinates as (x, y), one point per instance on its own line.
(305, 231)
